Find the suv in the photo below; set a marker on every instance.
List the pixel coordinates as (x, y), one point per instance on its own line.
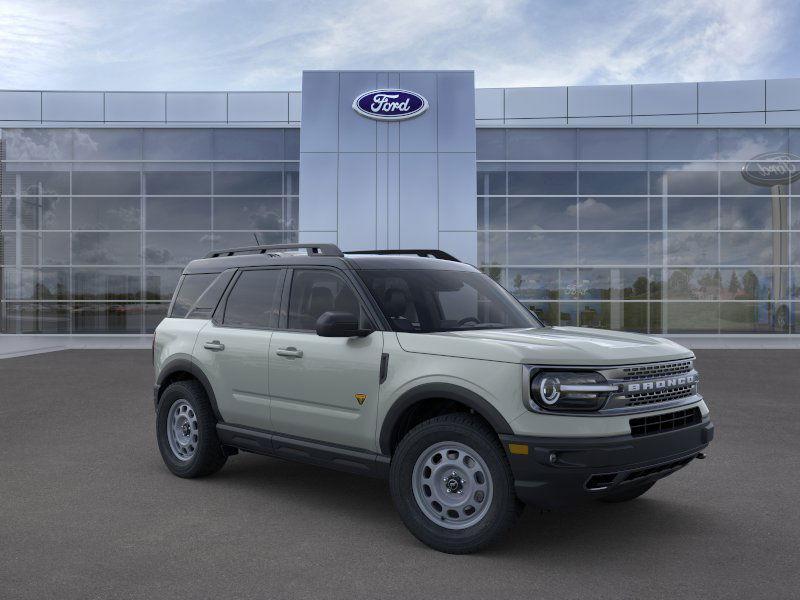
(413, 366)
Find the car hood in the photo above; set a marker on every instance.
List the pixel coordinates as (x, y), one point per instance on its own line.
(546, 346)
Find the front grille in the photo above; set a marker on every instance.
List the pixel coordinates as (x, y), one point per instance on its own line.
(653, 424)
(652, 397)
(676, 367)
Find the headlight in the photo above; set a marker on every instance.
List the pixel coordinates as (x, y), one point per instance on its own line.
(569, 390)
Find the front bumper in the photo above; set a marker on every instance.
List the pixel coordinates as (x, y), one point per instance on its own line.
(564, 471)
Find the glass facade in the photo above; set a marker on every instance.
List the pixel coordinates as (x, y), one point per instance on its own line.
(96, 224)
(648, 230)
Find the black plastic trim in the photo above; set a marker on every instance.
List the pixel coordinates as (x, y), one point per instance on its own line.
(185, 365)
(433, 391)
(333, 456)
(384, 370)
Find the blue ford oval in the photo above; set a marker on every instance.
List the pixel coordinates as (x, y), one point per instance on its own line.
(390, 105)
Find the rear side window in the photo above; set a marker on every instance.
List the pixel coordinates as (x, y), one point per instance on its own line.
(191, 287)
(254, 300)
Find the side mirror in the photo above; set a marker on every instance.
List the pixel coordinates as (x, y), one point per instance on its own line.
(340, 324)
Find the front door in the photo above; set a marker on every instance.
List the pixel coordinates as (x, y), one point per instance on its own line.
(324, 389)
(233, 349)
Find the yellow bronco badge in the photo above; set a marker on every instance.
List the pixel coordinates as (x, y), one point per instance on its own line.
(360, 398)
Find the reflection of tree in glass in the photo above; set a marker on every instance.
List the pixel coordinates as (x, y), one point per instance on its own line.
(639, 289)
(750, 285)
(494, 272)
(734, 286)
(517, 281)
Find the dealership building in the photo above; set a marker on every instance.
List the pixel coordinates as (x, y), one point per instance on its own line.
(662, 208)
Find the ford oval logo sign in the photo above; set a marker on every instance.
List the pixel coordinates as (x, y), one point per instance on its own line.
(390, 105)
(772, 168)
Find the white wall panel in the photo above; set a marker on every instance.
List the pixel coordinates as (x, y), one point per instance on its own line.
(258, 106)
(664, 98)
(20, 106)
(318, 191)
(599, 101)
(72, 106)
(457, 193)
(132, 107)
(461, 244)
(197, 107)
(783, 94)
(418, 204)
(730, 96)
(489, 103)
(536, 103)
(357, 201)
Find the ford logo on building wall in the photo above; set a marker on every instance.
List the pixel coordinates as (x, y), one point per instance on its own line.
(772, 168)
(390, 105)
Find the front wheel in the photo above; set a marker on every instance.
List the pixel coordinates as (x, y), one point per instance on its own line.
(452, 484)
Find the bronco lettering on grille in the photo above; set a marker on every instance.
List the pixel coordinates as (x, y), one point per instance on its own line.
(660, 384)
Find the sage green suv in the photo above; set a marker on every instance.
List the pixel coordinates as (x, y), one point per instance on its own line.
(413, 366)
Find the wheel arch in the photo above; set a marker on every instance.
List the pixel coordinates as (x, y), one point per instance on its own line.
(182, 369)
(417, 400)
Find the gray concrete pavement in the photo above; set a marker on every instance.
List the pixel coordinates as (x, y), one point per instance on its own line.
(87, 510)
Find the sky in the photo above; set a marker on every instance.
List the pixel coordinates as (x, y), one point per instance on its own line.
(264, 45)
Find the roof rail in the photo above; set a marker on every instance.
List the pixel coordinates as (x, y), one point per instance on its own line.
(312, 249)
(425, 253)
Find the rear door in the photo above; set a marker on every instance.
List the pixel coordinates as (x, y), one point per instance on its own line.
(321, 388)
(233, 347)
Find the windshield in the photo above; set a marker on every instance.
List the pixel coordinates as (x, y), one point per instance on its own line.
(425, 301)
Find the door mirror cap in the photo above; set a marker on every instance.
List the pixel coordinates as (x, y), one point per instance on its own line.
(340, 324)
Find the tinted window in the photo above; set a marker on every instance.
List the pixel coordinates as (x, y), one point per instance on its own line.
(315, 292)
(190, 289)
(253, 301)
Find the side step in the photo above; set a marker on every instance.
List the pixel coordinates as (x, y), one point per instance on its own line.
(341, 458)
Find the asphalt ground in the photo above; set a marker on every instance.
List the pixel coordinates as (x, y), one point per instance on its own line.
(88, 510)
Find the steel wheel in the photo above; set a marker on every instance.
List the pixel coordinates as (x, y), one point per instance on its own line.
(182, 432)
(452, 485)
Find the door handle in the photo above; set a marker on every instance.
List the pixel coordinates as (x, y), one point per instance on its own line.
(215, 345)
(290, 352)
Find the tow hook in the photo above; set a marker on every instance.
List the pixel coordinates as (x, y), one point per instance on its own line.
(700, 455)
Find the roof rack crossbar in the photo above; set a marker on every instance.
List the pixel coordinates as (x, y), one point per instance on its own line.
(423, 252)
(312, 249)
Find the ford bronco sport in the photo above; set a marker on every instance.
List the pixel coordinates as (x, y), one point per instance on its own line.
(411, 365)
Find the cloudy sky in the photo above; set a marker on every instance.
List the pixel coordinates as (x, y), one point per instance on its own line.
(252, 45)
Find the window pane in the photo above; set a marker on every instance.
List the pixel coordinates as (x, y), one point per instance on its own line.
(315, 292)
(48, 248)
(191, 288)
(8, 213)
(118, 183)
(492, 248)
(490, 144)
(754, 213)
(160, 283)
(103, 248)
(36, 284)
(178, 144)
(106, 284)
(253, 301)
(542, 213)
(612, 213)
(612, 284)
(522, 182)
(683, 183)
(491, 213)
(541, 144)
(754, 283)
(291, 179)
(291, 142)
(746, 144)
(628, 316)
(248, 213)
(753, 248)
(248, 144)
(692, 248)
(154, 313)
(746, 317)
(174, 212)
(238, 239)
(44, 212)
(693, 284)
(491, 179)
(107, 318)
(613, 249)
(613, 182)
(733, 182)
(36, 183)
(250, 183)
(610, 144)
(542, 284)
(692, 213)
(48, 317)
(178, 183)
(548, 249)
(682, 144)
(105, 213)
(691, 317)
(38, 144)
(107, 144)
(174, 248)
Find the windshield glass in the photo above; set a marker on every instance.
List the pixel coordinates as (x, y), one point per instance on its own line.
(425, 301)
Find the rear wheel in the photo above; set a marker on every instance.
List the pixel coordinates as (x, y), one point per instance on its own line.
(452, 484)
(186, 431)
(629, 493)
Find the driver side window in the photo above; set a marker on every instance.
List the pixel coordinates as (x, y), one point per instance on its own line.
(316, 291)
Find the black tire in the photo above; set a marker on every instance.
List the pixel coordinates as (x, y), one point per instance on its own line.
(627, 494)
(504, 507)
(208, 456)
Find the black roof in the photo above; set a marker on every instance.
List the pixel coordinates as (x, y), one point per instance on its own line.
(325, 255)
